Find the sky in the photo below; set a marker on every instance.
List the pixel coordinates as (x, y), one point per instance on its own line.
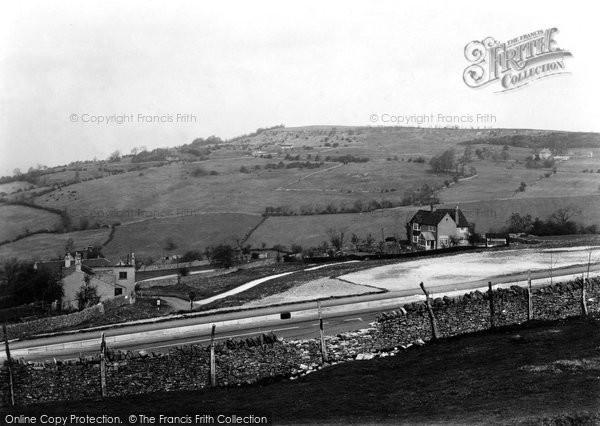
(231, 67)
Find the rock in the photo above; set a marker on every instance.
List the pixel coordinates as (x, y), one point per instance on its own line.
(419, 342)
(364, 356)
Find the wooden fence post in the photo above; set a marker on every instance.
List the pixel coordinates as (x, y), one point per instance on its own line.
(492, 308)
(529, 300)
(323, 347)
(434, 329)
(584, 308)
(103, 365)
(213, 373)
(9, 364)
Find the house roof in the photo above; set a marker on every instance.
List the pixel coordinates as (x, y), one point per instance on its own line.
(96, 263)
(56, 266)
(427, 217)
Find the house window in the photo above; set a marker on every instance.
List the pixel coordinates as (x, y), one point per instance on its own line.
(122, 275)
(415, 238)
(416, 226)
(118, 291)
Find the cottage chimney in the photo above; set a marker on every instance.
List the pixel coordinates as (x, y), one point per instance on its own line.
(431, 206)
(456, 216)
(132, 259)
(77, 261)
(67, 260)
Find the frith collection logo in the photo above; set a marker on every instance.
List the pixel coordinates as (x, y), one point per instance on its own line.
(516, 62)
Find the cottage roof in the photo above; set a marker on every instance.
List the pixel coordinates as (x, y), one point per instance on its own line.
(427, 217)
(96, 263)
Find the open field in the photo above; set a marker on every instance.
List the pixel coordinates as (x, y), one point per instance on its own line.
(468, 267)
(563, 184)
(312, 230)
(173, 186)
(151, 237)
(9, 188)
(546, 375)
(205, 287)
(234, 179)
(52, 246)
(16, 221)
(313, 290)
(488, 216)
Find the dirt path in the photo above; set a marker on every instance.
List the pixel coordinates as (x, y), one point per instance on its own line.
(283, 188)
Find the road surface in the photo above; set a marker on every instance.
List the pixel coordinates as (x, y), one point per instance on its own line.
(344, 314)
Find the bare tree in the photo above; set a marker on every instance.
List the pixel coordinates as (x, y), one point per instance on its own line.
(336, 237)
(563, 215)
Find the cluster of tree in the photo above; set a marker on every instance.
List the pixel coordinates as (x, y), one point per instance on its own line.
(199, 172)
(158, 154)
(200, 153)
(256, 133)
(114, 157)
(448, 163)
(338, 240)
(443, 163)
(32, 175)
(558, 223)
(538, 163)
(358, 206)
(558, 142)
(201, 142)
(345, 159)
(303, 165)
(28, 285)
(191, 255)
(486, 153)
(222, 256)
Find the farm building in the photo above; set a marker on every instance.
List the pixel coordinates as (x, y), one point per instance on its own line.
(110, 280)
(544, 154)
(494, 240)
(434, 229)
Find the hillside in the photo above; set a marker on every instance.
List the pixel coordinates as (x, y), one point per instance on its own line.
(309, 175)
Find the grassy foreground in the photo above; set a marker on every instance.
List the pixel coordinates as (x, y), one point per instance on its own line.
(545, 373)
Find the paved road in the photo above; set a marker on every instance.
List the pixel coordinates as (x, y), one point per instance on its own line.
(349, 313)
(287, 329)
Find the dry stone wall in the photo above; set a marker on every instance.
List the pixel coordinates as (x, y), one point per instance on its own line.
(268, 358)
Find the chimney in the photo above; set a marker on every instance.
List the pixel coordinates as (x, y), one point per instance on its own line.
(456, 215)
(67, 260)
(77, 261)
(431, 206)
(132, 259)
